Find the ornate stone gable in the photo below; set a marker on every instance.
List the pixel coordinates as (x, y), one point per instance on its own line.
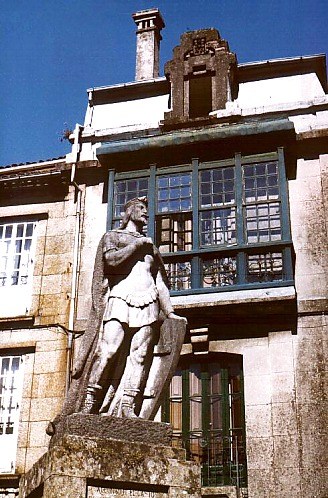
(202, 75)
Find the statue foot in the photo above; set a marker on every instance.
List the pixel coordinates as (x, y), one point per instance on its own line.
(90, 400)
(127, 410)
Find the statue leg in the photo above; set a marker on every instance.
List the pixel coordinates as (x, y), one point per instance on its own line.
(139, 352)
(108, 344)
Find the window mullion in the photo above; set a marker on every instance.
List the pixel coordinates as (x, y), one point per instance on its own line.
(239, 200)
(152, 198)
(110, 198)
(287, 263)
(241, 256)
(286, 234)
(11, 255)
(196, 262)
(225, 402)
(195, 204)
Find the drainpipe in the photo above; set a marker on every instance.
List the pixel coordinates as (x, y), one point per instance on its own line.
(76, 252)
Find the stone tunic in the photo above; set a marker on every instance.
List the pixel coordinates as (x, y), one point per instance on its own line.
(133, 297)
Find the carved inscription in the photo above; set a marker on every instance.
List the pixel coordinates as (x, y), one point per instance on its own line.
(99, 492)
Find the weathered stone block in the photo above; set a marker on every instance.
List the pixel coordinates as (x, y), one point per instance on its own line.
(135, 429)
(23, 434)
(283, 387)
(52, 284)
(281, 357)
(258, 421)
(45, 409)
(76, 465)
(261, 483)
(259, 452)
(257, 389)
(287, 482)
(49, 385)
(286, 451)
(284, 420)
(37, 434)
(256, 360)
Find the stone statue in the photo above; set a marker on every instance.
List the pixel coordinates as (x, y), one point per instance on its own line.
(127, 352)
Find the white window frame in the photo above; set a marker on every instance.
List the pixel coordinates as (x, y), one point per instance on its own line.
(16, 295)
(11, 388)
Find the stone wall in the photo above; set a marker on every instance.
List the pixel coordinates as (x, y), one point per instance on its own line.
(37, 337)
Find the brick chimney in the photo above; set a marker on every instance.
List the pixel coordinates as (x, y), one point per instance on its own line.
(149, 24)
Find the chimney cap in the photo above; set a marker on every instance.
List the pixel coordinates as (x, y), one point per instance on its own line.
(147, 15)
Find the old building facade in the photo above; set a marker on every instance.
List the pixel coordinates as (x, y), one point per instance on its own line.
(234, 159)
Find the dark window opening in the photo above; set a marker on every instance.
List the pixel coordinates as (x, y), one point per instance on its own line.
(200, 96)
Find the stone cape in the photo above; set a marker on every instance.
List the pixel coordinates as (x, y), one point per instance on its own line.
(169, 341)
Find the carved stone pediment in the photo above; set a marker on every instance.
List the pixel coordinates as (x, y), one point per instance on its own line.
(202, 75)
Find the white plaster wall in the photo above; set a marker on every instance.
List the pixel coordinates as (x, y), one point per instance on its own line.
(273, 91)
(146, 112)
(308, 214)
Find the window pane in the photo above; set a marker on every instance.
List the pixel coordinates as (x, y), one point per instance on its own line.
(219, 272)
(218, 226)
(176, 403)
(217, 187)
(266, 267)
(257, 180)
(195, 390)
(125, 190)
(15, 258)
(263, 222)
(174, 193)
(179, 275)
(174, 232)
(10, 396)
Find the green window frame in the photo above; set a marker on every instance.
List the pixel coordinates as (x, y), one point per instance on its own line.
(220, 225)
(205, 406)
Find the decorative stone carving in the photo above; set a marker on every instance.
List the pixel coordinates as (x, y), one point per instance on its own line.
(202, 69)
(128, 352)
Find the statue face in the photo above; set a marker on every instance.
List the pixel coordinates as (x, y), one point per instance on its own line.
(139, 213)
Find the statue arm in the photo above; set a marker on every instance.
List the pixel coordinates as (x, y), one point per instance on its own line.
(115, 256)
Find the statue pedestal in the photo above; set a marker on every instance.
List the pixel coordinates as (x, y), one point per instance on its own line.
(130, 465)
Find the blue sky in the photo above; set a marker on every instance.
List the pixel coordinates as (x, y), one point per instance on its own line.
(53, 50)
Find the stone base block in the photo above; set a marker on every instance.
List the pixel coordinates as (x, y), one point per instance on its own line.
(129, 429)
(79, 466)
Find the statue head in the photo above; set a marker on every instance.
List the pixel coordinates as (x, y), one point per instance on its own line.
(129, 208)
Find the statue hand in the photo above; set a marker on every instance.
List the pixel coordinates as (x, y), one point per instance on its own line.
(144, 241)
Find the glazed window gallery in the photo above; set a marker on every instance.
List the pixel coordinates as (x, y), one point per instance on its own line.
(219, 225)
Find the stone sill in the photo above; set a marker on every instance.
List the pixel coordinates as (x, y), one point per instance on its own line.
(222, 492)
(8, 480)
(16, 321)
(249, 296)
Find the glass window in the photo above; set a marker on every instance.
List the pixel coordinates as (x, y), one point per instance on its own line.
(174, 193)
(125, 190)
(17, 243)
(15, 253)
(206, 408)
(10, 398)
(218, 225)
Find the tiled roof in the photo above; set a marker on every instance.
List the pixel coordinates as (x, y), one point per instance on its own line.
(33, 162)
